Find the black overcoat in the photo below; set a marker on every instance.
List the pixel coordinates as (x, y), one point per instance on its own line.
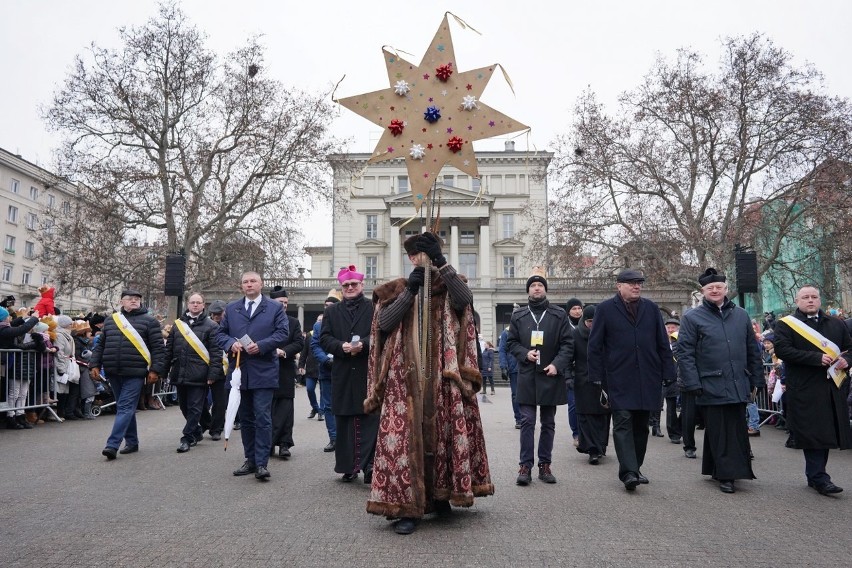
(816, 409)
(631, 359)
(587, 395)
(287, 365)
(184, 366)
(534, 386)
(348, 372)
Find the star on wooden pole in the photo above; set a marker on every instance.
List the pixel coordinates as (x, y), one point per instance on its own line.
(431, 114)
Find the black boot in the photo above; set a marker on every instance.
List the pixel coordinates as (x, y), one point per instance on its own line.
(22, 420)
(12, 423)
(655, 430)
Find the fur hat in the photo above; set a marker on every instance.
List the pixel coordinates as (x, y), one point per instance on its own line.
(96, 320)
(333, 296)
(538, 275)
(7, 301)
(278, 292)
(710, 276)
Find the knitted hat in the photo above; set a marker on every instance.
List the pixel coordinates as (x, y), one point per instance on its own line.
(572, 302)
(64, 321)
(537, 276)
(40, 327)
(588, 313)
(4, 314)
(710, 276)
(278, 292)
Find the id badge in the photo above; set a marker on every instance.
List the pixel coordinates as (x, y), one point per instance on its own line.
(537, 338)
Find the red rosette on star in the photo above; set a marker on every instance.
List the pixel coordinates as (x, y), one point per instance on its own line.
(396, 127)
(444, 71)
(455, 144)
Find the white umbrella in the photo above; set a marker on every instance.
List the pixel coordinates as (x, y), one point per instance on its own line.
(233, 401)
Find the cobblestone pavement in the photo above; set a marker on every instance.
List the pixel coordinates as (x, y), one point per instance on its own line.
(64, 505)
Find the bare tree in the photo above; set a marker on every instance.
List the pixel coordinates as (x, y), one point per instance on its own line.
(190, 150)
(688, 157)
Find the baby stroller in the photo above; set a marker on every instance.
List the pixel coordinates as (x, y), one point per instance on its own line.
(104, 399)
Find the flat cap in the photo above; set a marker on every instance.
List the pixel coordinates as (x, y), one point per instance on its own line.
(630, 275)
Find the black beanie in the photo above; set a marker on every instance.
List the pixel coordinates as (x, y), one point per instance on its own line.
(571, 303)
(536, 278)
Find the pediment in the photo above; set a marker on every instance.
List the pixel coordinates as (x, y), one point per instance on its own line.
(375, 243)
(508, 243)
(448, 195)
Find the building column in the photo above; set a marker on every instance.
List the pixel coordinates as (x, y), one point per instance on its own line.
(301, 316)
(395, 265)
(454, 242)
(484, 253)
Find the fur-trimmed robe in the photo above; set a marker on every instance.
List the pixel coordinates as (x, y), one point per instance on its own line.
(430, 444)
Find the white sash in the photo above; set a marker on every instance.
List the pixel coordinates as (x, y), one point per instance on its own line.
(193, 340)
(821, 342)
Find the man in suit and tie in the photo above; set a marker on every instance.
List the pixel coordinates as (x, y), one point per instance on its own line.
(254, 326)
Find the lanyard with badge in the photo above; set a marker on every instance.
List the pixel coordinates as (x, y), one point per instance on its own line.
(537, 336)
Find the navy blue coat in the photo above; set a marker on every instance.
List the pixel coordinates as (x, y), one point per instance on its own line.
(716, 352)
(507, 360)
(268, 328)
(630, 360)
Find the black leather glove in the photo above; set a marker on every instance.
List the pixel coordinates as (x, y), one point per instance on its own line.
(431, 245)
(504, 374)
(415, 279)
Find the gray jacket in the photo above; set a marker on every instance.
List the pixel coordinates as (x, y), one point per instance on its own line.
(717, 352)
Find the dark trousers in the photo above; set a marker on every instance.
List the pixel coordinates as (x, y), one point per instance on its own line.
(256, 425)
(572, 415)
(513, 386)
(214, 419)
(672, 419)
(545, 438)
(282, 423)
(630, 438)
(191, 401)
(688, 417)
(815, 462)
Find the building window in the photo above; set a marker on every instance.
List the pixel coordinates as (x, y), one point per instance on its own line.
(29, 249)
(7, 273)
(33, 193)
(371, 269)
(476, 184)
(508, 267)
(467, 264)
(10, 243)
(467, 238)
(508, 225)
(51, 201)
(48, 226)
(26, 276)
(372, 226)
(449, 180)
(44, 280)
(14, 186)
(402, 184)
(32, 220)
(66, 207)
(12, 217)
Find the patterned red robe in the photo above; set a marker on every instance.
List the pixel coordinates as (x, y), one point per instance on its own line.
(430, 443)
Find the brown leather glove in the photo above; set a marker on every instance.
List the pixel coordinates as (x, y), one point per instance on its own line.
(152, 377)
(95, 374)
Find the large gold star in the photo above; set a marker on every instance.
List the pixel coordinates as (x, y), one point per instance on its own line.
(416, 88)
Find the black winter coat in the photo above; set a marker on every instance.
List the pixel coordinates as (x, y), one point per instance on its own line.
(631, 359)
(348, 372)
(587, 395)
(816, 408)
(9, 333)
(307, 361)
(187, 368)
(718, 354)
(535, 387)
(117, 355)
(287, 365)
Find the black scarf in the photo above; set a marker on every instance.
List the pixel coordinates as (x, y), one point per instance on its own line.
(538, 306)
(352, 304)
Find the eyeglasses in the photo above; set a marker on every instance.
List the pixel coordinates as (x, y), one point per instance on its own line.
(350, 284)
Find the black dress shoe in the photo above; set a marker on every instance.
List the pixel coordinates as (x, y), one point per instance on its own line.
(329, 447)
(215, 436)
(349, 477)
(642, 479)
(368, 477)
(594, 459)
(110, 453)
(690, 453)
(246, 468)
(405, 525)
(828, 488)
(443, 508)
(675, 440)
(262, 473)
(184, 447)
(726, 487)
(320, 418)
(312, 414)
(284, 452)
(129, 449)
(655, 431)
(630, 481)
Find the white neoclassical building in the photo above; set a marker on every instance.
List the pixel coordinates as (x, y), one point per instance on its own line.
(494, 227)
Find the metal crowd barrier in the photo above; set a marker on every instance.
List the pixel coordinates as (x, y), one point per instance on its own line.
(27, 380)
(765, 407)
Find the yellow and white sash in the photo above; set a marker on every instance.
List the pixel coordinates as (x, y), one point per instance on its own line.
(820, 341)
(225, 362)
(132, 336)
(193, 340)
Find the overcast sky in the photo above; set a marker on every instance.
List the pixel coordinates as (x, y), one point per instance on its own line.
(550, 50)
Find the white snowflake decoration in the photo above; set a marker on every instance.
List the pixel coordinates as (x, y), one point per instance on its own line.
(417, 151)
(401, 88)
(469, 102)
